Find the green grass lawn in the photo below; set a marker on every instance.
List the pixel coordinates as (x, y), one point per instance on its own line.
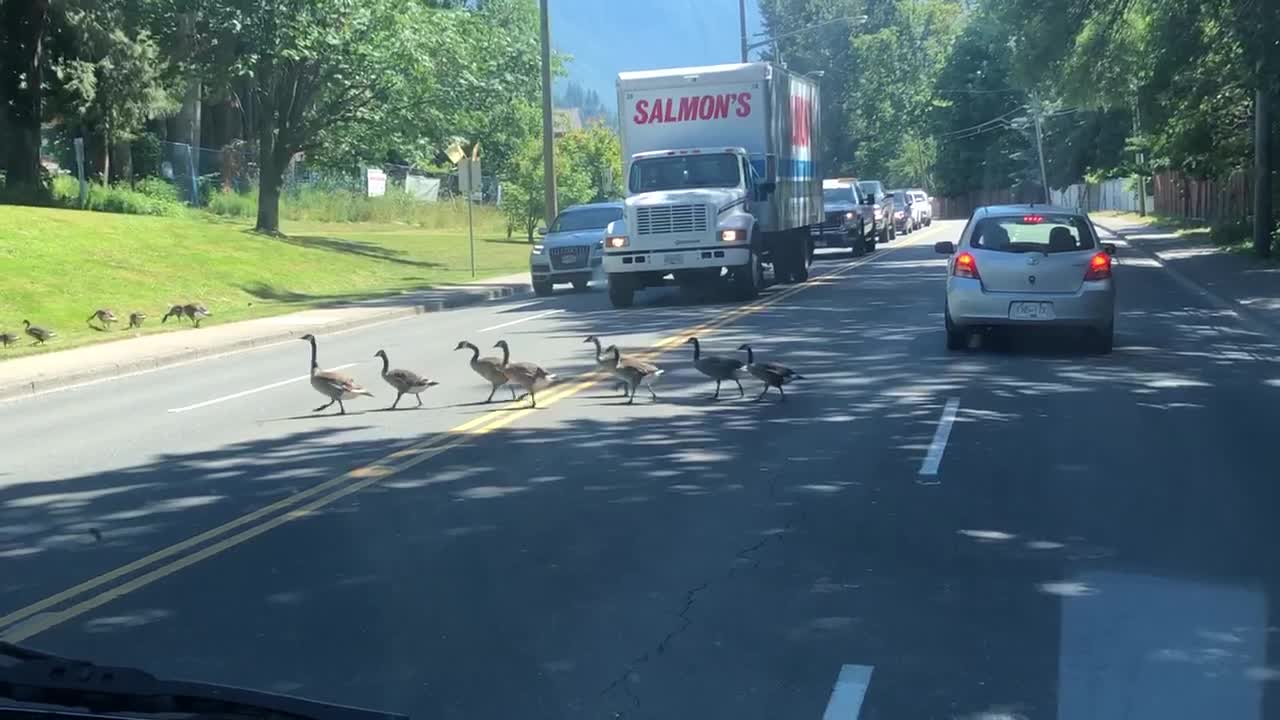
(61, 265)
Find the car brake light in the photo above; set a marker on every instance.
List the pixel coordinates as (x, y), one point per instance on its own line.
(1032, 219)
(966, 266)
(1099, 267)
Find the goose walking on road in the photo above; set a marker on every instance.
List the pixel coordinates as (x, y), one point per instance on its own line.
(104, 317)
(39, 334)
(770, 373)
(527, 375)
(489, 368)
(604, 363)
(716, 367)
(635, 373)
(335, 386)
(404, 382)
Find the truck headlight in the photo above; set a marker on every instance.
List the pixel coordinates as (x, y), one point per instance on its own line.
(616, 241)
(537, 249)
(877, 213)
(733, 235)
(850, 215)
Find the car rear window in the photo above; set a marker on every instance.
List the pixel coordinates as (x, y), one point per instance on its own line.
(1033, 232)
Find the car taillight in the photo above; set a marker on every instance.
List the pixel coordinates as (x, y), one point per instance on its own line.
(1099, 267)
(965, 266)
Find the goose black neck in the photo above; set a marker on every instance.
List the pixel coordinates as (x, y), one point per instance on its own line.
(697, 348)
(506, 353)
(475, 351)
(386, 364)
(596, 341)
(751, 357)
(314, 364)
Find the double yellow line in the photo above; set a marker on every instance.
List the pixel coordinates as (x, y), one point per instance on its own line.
(44, 614)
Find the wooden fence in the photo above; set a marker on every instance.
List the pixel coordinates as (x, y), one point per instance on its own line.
(1214, 199)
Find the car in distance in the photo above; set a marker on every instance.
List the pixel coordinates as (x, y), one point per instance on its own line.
(844, 223)
(923, 205)
(904, 214)
(881, 205)
(1029, 266)
(572, 251)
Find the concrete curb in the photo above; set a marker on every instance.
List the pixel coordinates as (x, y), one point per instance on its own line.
(464, 297)
(1247, 317)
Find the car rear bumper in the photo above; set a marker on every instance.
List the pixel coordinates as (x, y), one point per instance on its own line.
(969, 305)
(674, 260)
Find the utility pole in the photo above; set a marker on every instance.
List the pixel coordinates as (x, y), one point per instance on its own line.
(742, 27)
(1262, 220)
(548, 131)
(1141, 158)
(1036, 110)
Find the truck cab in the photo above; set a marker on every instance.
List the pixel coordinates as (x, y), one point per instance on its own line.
(720, 179)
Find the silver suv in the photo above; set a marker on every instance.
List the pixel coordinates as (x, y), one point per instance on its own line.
(572, 251)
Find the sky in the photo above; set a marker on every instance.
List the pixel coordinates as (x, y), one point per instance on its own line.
(658, 33)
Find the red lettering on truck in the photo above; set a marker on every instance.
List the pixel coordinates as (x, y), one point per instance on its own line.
(692, 108)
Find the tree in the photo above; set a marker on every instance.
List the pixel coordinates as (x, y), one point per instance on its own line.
(588, 166)
(22, 34)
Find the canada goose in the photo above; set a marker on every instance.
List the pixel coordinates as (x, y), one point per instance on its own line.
(403, 381)
(103, 316)
(136, 318)
(195, 312)
(525, 374)
(175, 311)
(716, 367)
(41, 335)
(335, 386)
(604, 362)
(489, 368)
(8, 339)
(770, 373)
(635, 372)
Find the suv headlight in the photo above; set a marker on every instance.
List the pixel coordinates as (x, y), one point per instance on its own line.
(537, 249)
(733, 235)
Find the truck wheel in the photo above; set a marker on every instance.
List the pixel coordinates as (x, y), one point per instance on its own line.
(621, 291)
(800, 269)
(749, 279)
(542, 289)
(886, 235)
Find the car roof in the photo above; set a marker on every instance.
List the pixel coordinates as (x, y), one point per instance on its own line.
(1022, 209)
(838, 183)
(590, 206)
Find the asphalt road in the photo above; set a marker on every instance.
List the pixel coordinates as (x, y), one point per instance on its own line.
(1017, 531)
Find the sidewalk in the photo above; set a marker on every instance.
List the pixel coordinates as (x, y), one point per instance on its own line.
(47, 371)
(1233, 280)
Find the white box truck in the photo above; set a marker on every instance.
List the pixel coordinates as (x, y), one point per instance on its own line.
(721, 178)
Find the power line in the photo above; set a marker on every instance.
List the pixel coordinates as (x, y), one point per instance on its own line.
(981, 125)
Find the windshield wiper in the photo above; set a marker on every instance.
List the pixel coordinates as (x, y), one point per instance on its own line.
(29, 676)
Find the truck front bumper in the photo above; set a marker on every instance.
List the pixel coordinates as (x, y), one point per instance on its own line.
(675, 259)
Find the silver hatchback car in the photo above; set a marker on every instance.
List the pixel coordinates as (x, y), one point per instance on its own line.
(1023, 266)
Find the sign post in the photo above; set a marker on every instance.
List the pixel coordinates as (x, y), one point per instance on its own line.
(469, 179)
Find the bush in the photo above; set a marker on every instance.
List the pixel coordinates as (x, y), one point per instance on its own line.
(154, 197)
(233, 204)
(1231, 233)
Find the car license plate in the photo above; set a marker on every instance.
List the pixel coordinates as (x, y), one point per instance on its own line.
(673, 259)
(1031, 311)
(568, 259)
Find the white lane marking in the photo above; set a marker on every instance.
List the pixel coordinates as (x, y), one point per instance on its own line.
(251, 391)
(535, 316)
(847, 695)
(934, 457)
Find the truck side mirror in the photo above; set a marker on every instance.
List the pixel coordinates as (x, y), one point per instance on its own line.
(764, 190)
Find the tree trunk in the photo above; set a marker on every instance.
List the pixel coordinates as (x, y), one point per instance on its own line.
(107, 142)
(1263, 220)
(22, 28)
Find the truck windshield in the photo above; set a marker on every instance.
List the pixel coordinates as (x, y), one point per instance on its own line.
(678, 172)
(839, 195)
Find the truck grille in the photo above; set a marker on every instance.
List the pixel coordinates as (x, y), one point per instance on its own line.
(670, 219)
(570, 256)
(835, 221)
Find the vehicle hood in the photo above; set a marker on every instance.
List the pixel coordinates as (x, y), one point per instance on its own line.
(839, 207)
(697, 196)
(575, 237)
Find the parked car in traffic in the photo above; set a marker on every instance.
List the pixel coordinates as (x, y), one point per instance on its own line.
(904, 215)
(572, 250)
(1029, 266)
(847, 223)
(923, 204)
(881, 204)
